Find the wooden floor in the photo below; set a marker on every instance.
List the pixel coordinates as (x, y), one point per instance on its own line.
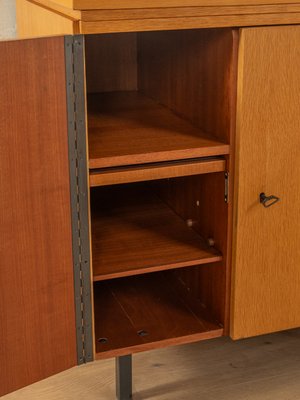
(263, 368)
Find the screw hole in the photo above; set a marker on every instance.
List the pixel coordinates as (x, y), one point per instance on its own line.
(103, 340)
(142, 333)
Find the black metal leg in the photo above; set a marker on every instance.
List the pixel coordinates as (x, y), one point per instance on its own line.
(124, 377)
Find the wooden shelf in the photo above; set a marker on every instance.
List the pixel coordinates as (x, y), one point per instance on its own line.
(149, 172)
(134, 232)
(127, 128)
(125, 307)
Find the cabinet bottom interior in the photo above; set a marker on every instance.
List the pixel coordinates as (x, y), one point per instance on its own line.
(154, 310)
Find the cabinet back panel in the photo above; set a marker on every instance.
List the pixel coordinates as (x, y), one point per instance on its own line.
(193, 73)
(37, 329)
(111, 62)
(201, 199)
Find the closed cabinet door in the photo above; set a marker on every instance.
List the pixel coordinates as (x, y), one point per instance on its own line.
(37, 304)
(266, 253)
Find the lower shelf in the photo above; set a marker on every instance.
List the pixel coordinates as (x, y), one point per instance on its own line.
(142, 313)
(134, 232)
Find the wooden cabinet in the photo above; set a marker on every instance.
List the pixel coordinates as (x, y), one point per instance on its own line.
(134, 167)
(266, 273)
(158, 159)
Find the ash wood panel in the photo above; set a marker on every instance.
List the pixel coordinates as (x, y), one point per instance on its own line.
(37, 330)
(127, 128)
(164, 24)
(140, 16)
(64, 3)
(133, 232)
(150, 304)
(151, 172)
(105, 4)
(175, 12)
(61, 9)
(33, 21)
(202, 88)
(266, 275)
(111, 62)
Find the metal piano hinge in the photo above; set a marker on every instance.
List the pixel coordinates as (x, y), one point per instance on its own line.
(74, 48)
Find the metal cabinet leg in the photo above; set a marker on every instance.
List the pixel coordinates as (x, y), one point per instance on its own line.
(124, 377)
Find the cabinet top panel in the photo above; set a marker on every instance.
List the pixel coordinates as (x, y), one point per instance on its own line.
(129, 4)
(108, 16)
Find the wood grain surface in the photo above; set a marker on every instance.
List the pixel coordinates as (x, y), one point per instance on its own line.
(266, 276)
(106, 4)
(61, 8)
(35, 21)
(37, 329)
(96, 16)
(149, 172)
(111, 62)
(133, 232)
(183, 12)
(126, 128)
(192, 73)
(124, 307)
(209, 101)
(180, 23)
(201, 199)
(261, 368)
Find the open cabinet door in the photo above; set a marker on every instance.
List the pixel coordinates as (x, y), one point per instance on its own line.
(37, 309)
(266, 274)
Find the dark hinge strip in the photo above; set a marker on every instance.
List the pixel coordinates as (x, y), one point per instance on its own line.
(79, 197)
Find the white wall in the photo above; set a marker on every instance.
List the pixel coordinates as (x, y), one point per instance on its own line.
(7, 19)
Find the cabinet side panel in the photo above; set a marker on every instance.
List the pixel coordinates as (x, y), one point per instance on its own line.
(266, 274)
(37, 330)
(36, 21)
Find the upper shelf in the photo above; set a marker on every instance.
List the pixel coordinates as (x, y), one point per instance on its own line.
(127, 128)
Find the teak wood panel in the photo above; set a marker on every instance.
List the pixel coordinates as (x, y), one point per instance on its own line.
(33, 21)
(37, 329)
(124, 307)
(111, 62)
(193, 74)
(113, 176)
(127, 128)
(200, 199)
(134, 232)
(266, 276)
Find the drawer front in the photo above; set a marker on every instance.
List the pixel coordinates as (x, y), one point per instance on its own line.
(266, 256)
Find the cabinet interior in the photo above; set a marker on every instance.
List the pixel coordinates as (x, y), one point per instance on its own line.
(158, 96)
(160, 107)
(158, 262)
